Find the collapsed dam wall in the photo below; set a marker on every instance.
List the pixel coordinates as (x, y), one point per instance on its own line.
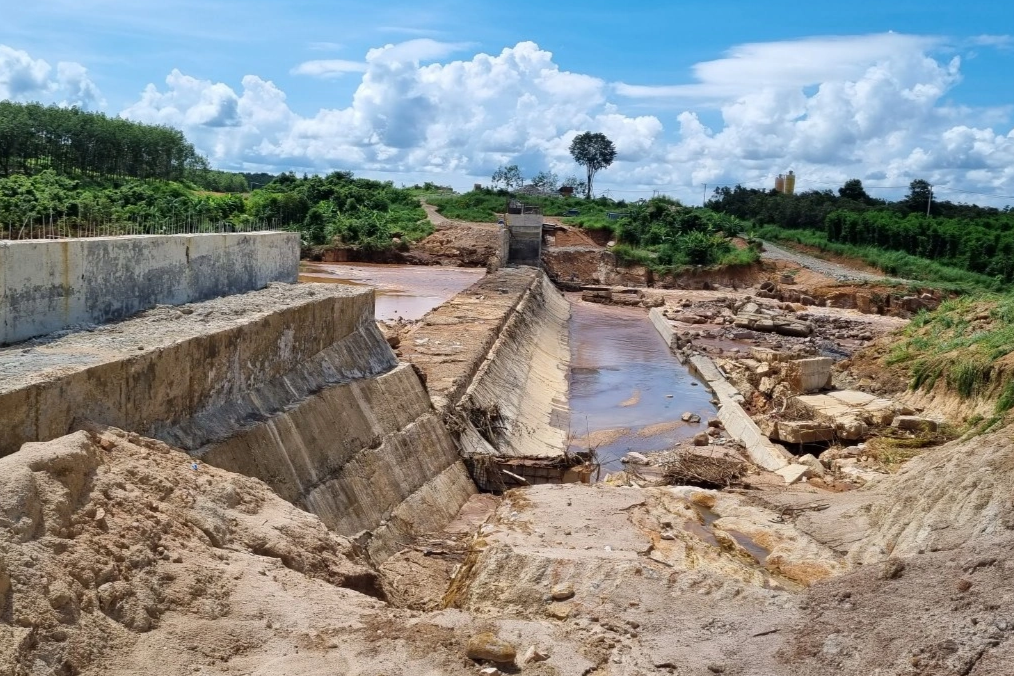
(293, 384)
(49, 285)
(495, 361)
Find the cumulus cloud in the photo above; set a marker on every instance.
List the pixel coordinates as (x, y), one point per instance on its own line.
(876, 107)
(23, 78)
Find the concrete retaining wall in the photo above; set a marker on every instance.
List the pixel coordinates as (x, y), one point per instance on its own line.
(48, 285)
(293, 384)
(737, 422)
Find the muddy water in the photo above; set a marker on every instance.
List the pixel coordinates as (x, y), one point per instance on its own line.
(627, 390)
(406, 291)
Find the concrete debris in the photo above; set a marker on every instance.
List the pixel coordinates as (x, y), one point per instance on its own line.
(634, 458)
(794, 473)
(849, 412)
(798, 431)
(809, 375)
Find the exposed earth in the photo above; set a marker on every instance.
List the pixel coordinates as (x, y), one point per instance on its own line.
(122, 555)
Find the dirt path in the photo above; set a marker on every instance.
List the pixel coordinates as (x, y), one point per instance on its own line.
(441, 222)
(833, 270)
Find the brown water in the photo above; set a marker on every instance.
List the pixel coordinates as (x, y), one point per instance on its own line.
(627, 389)
(406, 291)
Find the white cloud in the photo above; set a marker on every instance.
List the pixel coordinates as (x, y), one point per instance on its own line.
(329, 68)
(785, 64)
(23, 78)
(874, 107)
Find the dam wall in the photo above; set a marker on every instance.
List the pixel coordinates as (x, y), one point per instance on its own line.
(49, 285)
(495, 360)
(293, 384)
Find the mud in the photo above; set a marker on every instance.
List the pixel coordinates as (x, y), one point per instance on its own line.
(403, 292)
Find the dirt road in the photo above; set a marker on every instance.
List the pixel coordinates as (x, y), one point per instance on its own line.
(838, 272)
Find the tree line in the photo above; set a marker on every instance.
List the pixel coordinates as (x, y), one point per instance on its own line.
(966, 236)
(69, 141)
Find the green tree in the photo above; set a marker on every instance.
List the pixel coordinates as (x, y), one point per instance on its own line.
(853, 190)
(920, 193)
(546, 181)
(594, 152)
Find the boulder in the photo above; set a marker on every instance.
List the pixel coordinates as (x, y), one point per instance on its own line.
(562, 592)
(912, 423)
(489, 648)
(689, 417)
(635, 458)
(813, 463)
(701, 439)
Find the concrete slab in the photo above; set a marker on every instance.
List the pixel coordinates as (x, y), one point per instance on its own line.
(794, 473)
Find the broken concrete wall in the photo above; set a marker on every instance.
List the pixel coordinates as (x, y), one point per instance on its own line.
(293, 385)
(523, 383)
(46, 286)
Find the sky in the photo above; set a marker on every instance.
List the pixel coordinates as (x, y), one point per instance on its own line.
(694, 94)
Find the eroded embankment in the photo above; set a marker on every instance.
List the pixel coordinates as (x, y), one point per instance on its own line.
(495, 359)
(294, 385)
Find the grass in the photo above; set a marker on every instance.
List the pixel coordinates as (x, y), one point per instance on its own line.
(894, 450)
(894, 263)
(482, 206)
(960, 345)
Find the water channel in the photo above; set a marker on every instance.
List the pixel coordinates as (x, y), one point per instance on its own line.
(627, 390)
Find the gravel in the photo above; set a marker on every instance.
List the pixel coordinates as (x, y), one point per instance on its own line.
(838, 272)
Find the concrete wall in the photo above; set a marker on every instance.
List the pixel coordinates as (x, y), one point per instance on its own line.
(48, 285)
(294, 385)
(525, 239)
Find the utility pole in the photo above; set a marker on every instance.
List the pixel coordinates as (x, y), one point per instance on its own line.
(929, 201)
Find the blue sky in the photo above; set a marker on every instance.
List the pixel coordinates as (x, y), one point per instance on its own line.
(691, 92)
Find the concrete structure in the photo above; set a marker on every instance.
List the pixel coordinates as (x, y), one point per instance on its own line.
(525, 226)
(293, 384)
(49, 285)
(809, 375)
(663, 326)
(495, 360)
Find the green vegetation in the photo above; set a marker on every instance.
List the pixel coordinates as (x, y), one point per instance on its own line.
(960, 244)
(64, 172)
(894, 263)
(659, 233)
(34, 138)
(965, 344)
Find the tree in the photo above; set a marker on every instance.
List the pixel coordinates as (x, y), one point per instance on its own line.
(593, 151)
(510, 176)
(920, 193)
(546, 181)
(853, 190)
(574, 182)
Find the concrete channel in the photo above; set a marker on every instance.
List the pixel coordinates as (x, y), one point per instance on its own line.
(295, 385)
